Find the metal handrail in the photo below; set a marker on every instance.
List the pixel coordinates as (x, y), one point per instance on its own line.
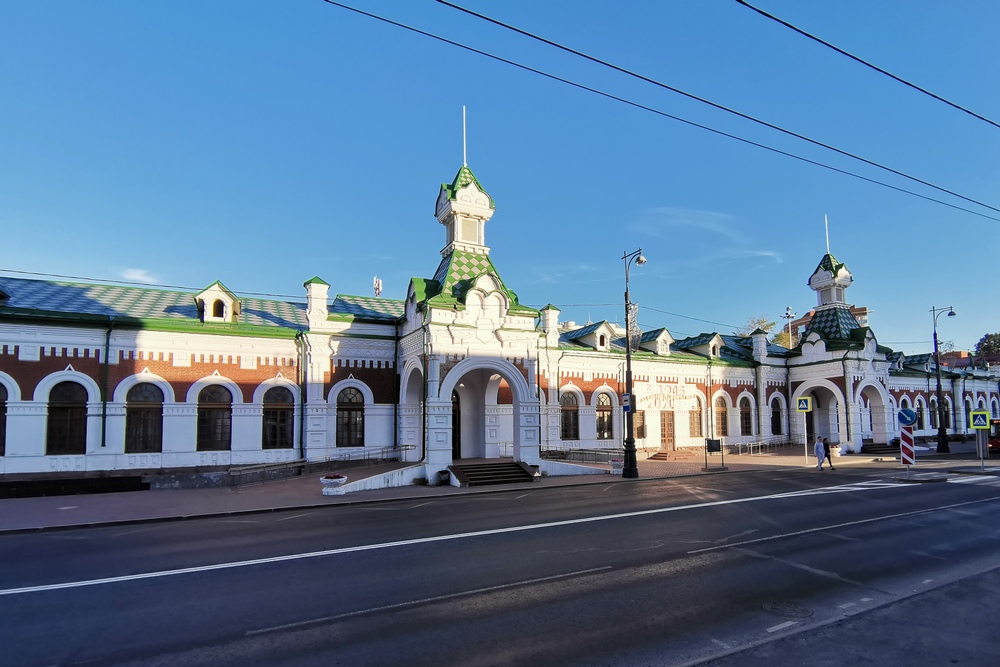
(261, 473)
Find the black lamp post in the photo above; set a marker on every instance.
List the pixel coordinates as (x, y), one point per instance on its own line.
(942, 434)
(630, 466)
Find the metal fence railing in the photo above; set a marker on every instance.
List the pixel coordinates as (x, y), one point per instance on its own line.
(345, 458)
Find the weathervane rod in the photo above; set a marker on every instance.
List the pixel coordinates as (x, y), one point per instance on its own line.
(465, 161)
(826, 223)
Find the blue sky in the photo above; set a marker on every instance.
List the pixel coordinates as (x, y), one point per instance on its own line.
(262, 143)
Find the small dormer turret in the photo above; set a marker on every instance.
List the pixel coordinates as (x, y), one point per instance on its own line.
(216, 303)
(463, 207)
(317, 294)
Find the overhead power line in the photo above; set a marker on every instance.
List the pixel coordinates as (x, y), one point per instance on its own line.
(658, 112)
(866, 63)
(714, 105)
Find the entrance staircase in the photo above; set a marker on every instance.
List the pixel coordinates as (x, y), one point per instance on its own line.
(871, 449)
(485, 473)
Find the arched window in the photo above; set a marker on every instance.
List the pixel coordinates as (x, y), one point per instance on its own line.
(746, 417)
(935, 415)
(3, 419)
(218, 308)
(721, 418)
(605, 424)
(968, 410)
(695, 420)
(67, 422)
(215, 418)
(144, 419)
(279, 406)
(570, 422)
(904, 403)
(350, 418)
(777, 422)
(948, 421)
(602, 341)
(918, 407)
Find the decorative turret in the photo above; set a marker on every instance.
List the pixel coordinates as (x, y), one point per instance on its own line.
(463, 207)
(833, 319)
(317, 291)
(829, 281)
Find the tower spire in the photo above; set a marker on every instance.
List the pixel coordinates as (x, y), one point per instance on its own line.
(465, 161)
(826, 223)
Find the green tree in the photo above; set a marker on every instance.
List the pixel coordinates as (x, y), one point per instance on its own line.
(781, 339)
(754, 323)
(989, 344)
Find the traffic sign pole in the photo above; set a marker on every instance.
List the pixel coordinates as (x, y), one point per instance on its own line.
(906, 455)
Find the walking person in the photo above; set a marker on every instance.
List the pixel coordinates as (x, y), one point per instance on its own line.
(826, 453)
(820, 452)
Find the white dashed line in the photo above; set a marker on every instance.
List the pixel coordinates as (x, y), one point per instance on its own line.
(782, 626)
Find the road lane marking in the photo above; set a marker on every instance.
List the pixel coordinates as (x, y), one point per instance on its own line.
(472, 534)
(413, 507)
(722, 644)
(847, 605)
(836, 525)
(782, 626)
(436, 598)
(295, 516)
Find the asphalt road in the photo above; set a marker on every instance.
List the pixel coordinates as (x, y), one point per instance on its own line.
(656, 572)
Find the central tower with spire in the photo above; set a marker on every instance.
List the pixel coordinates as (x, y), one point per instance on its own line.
(464, 207)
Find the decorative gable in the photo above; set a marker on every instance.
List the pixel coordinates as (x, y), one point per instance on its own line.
(598, 335)
(216, 303)
(657, 341)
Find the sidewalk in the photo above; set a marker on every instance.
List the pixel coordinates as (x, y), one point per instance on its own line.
(54, 512)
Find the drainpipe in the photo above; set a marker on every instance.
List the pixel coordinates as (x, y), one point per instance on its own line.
(788, 405)
(303, 377)
(847, 398)
(423, 399)
(395, 407)
(709, 404)
(104, 388)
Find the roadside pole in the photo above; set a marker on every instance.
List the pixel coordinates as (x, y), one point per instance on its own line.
(979, 420)
(907, 455)
(804, 404)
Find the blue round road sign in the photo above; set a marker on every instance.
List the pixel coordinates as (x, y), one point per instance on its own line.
(907, 417)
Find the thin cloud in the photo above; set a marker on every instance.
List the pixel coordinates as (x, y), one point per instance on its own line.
(707, 236)
(140, 276)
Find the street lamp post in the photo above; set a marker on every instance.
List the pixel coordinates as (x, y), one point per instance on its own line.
(789, 315)
(942, 434)
(630, 466)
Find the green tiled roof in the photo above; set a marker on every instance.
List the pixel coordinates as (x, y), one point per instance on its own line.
(457, 272)
(367, 308)
(830, 263)
(462, 179)
(136, 303)
(835, 323)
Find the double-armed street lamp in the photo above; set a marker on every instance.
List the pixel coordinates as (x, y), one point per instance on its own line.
(630, 466)
(789, 315)
(942, 432)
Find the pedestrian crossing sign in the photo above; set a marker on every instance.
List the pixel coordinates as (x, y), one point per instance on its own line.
(804, 404)
(979, 419)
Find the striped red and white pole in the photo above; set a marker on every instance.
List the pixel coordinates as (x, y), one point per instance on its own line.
(906, 455)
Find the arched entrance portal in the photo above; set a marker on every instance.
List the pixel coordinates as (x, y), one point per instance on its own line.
(874, 415)
(826, 420)
(484, 408)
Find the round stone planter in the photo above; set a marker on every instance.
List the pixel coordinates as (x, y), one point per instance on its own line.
(331, 485)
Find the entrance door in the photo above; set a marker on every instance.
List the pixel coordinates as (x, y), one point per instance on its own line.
(456, 427)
